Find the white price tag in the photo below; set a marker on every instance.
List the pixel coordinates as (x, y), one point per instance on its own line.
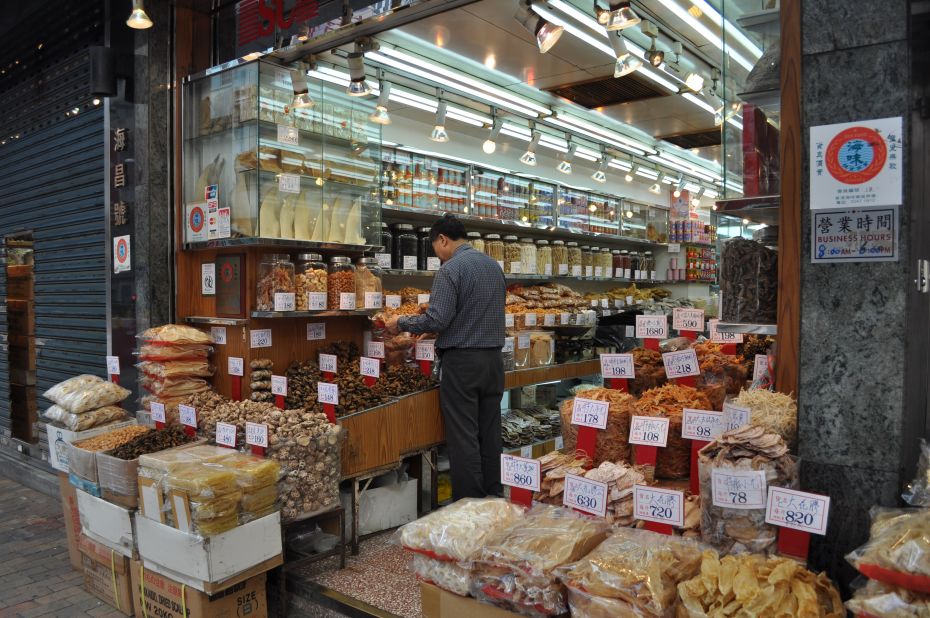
(800, 510)
(508, 320)
(607, 313)
(375, 349)
(113, 365)
(738, 489)
(674, 247)
(501, 264)
(617, 366)
(760, 367)
(717, 337)
(410, 262)
(328, 363)
(598, 271)
(681, 364)
(588, 271)
(279, 385)
(384, 260)
(526, 451)
(370, 367)
(157, 411)
(392, 301)
(735, 416)
(347, 301)
(188, 415)
(549, 319)
(256, 434)
(590, 413)
(426, 350)
(373, 300)
(566, 319)
(289, 183)
(649, 431)
(585, 495)
(563, 270)
(316, 331)
(208, 279)
(594, 303)
(605, 303)
(327, 393)
(547, 270)
(618, 304)
(529, 319)
(523, 341)
(260, 338)
(576, 271)
(664, 506)
(218, 333)
(422, 299)
(235, 366)
(288, 135)
(316, 301)
(652, 275)
(650, 326)
(516, 268)
(508, 345)
(704, 425)
(559, 443)
(284, 301)
(618, 273)
(432, 263)
(520, 472)
(688, 319)
(226, 435)
(629, 300)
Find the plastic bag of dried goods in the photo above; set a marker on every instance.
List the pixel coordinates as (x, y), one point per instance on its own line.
(201, 481)
(85, 420)
(456, 577)
(898, 549)
(180, 368)
(171, 352)
(70, 386)
(877, 600)
(92, 396)
(175, 334)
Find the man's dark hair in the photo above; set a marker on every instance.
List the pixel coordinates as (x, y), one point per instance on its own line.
(449, 226)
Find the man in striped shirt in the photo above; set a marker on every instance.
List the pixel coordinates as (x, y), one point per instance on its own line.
(466, 309)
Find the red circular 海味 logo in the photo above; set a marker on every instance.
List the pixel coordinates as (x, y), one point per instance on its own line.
(856, 155)
(226, 272)
(196, 219)
(122, 250)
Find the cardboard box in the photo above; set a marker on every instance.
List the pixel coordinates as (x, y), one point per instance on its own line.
(59, 436)
(72, 520)
(118, 480)
(167, 598)
(108, 524)
(106, 575)
(203, 562)
(439, 603)
(81, 463)
(383, 508)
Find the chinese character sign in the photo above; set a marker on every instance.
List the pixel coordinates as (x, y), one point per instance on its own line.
(855, 235)
(856, 164)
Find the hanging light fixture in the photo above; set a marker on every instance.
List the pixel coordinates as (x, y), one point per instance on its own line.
(302, 98)
(601, 174)
(380, 115)
(490, 144)
(358, 87)
(679, 186)
(656, 188)
(138, 19)
(545, 33)
(439, 133)
(565, 162)
(696, 200)
(626, 62)
(619, 17)
(529, 157)
(629, 175)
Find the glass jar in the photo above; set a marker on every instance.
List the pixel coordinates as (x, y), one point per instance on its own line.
(616, 264)
(341, 284)
(587, 261)
(543, 258)
(426, 257)
(605, 261)
(635, 262)
(575, 266)
(368, 290)
(559, 258)
(528, 256)
(625, 257)
(311, 282)
(513, 256)
(649, 266)
(494, 248)
(276, 289)
(385, 257)
(475, 240)
(405, 247)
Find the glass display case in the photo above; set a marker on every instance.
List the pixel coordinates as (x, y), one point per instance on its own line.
(657, 224)
(416, 182)
(258, 168)
(525, 200)
(635, 219)
(590, 213)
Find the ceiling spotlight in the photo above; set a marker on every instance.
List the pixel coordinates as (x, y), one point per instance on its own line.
(358, 87)
(302, 98)
(138, 19)
(696, 199)
(565, 162)
(694, 81)
(631, 173)
(629, 214)
(679, 187)
(545, 33)
(618, 45)
(627, 65)
(601, 174)
(529, 157)
(620, 16)
(439, 133)
(380, 115)
(490, 144)
(655, 56)
(656, 188)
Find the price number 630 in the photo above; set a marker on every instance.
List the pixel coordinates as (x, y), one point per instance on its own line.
(589, 502)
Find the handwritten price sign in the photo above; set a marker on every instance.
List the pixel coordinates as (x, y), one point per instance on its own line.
(188, 416)
(797, 509)
(760, 367)
(529, 319)
(549, 319)
(375, 349)
(649, 431)
(703, 425)
(717, 337)
(738, 489)
(664, 506)
(688, 319)
(158, 412)
(328, 363)
(735, 416)
(279, 385)
(617, 366)
(520, 472)
(226, 435)
(681, 364)
(651, 327)
(392, 301)
(370, 367)
(256, 434)
(316, 331)
(590, 413)
(327, 393)
(585, 495)
(260, 338)
(235, 366)
(113, 365)
(426, 350)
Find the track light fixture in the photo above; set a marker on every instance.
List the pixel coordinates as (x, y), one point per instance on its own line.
(619, 17)
(138, 19)
(545, 33)
(679, 186)
(380, 115)
(490, 144)
(694, 82)
(565, 162)
(439, 133)
(696, 200)
(629, 175)
(358, 87)
(626, 62)
(301, 98)
(655, 56)
(529, 157)
(601, 174)
(656, 188)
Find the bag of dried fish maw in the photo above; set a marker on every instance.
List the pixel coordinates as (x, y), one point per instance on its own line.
(175, 334)
(85, 392)
(613, 442)
(517, 570)
(878, 600)
(898, 549)
(736, 470)
(721, 374)
(669, 401)
(633, 573)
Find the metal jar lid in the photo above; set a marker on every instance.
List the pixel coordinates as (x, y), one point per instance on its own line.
(309, 257)
(340, 260)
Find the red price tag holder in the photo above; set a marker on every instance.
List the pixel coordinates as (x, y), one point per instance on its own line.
(188, 419)
(701, 427)
(797, 514)
(590, 416)
(647, 435)
(235, 367)
(617, 370)
(256, 436)
(425, 355)
(522, 476)
(279, 390)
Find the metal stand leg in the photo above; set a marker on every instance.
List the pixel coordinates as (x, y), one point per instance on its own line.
(355, 510)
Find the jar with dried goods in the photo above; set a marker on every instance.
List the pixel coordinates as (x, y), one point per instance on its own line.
(494, 248)
(575, 260)
(405, 247)
(513, 256)
(368, 291)
(605, 262)
(527, 256)
(587, 261)
(426, 257)
(276, 289)
(543, 258)
(311, 282)
(386, 255)
(559, 258)
(475, 240)
(341, 284)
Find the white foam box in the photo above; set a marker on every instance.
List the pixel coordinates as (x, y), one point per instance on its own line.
(201, 561)
(107, 523)
(383, 508)
(59, 436)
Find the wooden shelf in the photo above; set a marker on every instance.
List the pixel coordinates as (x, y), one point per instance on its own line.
(525, 377)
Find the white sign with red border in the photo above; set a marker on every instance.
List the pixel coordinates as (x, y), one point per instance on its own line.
(590, 413)
(617, 366)
(789, 508)
(649, 431)
(664, 506)
(681, 364)
(651, 327)
(585, 495)
(520, 472)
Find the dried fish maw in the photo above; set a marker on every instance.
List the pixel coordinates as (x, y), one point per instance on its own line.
(286, 217)
(269, 224)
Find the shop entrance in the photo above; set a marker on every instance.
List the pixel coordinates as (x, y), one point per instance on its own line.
(20, 317)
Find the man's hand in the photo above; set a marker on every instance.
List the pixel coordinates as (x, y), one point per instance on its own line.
(390, 324)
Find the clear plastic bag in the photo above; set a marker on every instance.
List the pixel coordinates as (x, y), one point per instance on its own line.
(88, 396)
(455, 577)
(175, 334)
(70, 386)
(898, 549)
(168, 352)
(201, 481)
(918, 490)
(174, 369)
(220, 506)
(252, 473)
(877, 600)
(86, 420)
(748, 282)
(260, 499)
